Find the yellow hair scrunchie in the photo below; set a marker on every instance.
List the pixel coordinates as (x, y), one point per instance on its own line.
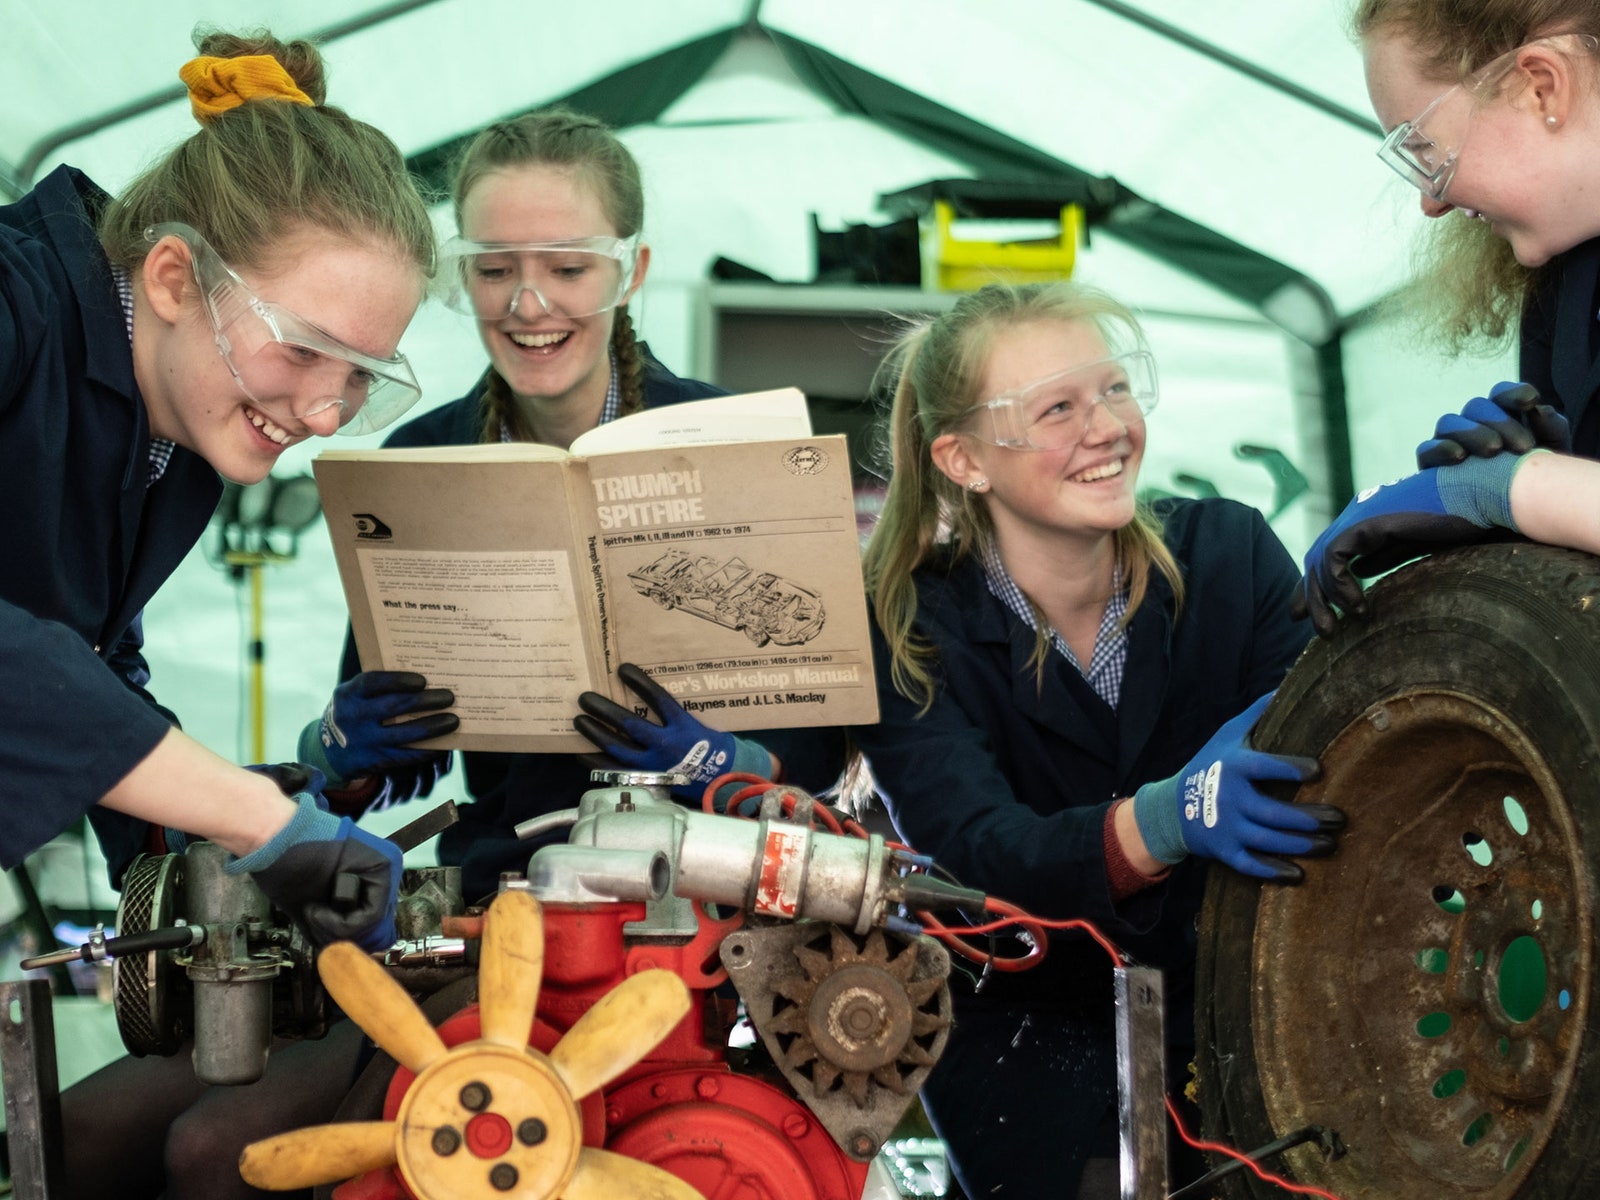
(218, 84)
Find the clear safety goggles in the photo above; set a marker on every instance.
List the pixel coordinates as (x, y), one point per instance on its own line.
(1424, 151)
(577, 278)
(1054, 413)
(280, 359)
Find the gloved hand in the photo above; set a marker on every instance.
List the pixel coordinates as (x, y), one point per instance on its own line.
(679, 743)
(354, 737)
(336, 880)
(1388, 525)
(1510, 418)
(1212, 808)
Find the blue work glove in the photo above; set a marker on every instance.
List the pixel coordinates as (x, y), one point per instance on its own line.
(336, 880)
(678, 744)
(1212, 808)
(1388, 525)
(1510, 418)
(358, 733)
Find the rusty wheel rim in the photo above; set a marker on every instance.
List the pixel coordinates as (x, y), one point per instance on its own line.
(1394, 997)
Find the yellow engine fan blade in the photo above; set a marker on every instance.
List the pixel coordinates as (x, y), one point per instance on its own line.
(320, 1154)
(602, 1175)
(379, 1005)
(626, 1024)
(512, 965)
(617, 1032)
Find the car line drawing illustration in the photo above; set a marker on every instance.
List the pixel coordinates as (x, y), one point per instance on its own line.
(763, 606)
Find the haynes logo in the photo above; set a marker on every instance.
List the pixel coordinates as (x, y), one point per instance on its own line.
(370, 529)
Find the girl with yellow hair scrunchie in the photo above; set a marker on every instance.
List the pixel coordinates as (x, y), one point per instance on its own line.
(137, 373)
(217, 85)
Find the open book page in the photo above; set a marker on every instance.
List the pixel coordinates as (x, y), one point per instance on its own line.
(733, 577)
(519, 576)
(752, 417)
(463, 570)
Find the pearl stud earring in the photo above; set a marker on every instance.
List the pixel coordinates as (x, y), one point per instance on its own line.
(1551, 121)
(977, 485)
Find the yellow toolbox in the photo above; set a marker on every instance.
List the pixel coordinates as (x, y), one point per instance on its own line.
(952, 264)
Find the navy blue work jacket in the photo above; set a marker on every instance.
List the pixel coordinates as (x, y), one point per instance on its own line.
(1561, 341)
(1007, 786)
(85, 542)
(508, 789)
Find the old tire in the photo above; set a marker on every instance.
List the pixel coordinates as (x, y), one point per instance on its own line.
(1427, 992)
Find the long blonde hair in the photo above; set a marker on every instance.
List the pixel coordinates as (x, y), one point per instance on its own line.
(937, 369)
(1469, 287)
(563, 138)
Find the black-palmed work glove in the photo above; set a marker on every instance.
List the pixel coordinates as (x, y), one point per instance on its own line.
(1511, 419)
(1392, 524)
(679, 743)
(336, 880)
(361, 731)
(1214, 808)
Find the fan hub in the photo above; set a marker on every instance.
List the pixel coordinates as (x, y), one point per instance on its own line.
(482, 1092)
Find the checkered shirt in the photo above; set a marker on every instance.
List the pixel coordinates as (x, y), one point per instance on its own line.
(1110, 644)
(160, 448)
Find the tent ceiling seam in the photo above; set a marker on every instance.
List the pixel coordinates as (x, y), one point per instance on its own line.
(1242, 65)
(134, 108)
(1264, 283)
(648, 88)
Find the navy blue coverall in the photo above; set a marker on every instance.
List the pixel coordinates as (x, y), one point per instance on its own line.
(1007, 786)
(86, 540)
(1561, 341)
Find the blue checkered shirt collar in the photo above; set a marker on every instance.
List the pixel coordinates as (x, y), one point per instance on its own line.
(160, 448)
(608, 410)
(1110, 656)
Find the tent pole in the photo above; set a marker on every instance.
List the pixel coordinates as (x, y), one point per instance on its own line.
(1336, 422)
(1242, 65)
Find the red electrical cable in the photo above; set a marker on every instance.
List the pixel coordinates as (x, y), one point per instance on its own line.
(1010, 915)
(1229, 1152)
(709, 796)
(759, 787)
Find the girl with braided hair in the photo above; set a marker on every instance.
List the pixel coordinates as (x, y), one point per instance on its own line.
(550, 207)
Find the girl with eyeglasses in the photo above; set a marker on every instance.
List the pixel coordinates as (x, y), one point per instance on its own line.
(1067, 681)
(245, 293)
(1492, 113)
(550, 208)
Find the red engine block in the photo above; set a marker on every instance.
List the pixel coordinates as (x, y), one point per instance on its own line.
(683, 1108)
